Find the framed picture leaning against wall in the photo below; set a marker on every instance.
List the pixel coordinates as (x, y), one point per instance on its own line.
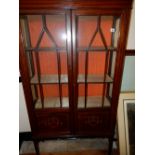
(126, 123)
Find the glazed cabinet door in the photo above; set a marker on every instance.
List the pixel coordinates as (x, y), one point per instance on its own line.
(71, 64)
(46, 41)
(95, 45)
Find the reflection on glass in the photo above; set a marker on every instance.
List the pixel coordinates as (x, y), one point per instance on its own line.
(97, 28)
(55, 24)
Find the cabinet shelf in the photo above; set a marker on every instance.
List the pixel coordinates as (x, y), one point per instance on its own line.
(94, 78)
(93, 102)
(52, 102)
(45, 49)
(52, 49)
(98, 49)
(49, 79)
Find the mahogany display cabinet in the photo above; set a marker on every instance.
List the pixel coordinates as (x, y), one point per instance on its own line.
(71, 56)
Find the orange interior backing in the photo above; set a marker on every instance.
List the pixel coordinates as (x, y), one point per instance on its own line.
(48, 60)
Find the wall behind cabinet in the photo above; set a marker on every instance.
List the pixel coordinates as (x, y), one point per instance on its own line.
(128, 81)
(24, 125)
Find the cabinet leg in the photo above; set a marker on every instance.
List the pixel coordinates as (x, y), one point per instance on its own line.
(110, 146)
(36, 145)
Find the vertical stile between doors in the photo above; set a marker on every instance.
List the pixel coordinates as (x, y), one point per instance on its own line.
(68, 20)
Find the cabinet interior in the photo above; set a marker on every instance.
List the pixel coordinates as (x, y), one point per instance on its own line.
(46, 47)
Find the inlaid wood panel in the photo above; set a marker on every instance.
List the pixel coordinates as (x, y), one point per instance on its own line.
(53, 122)
(93, 122)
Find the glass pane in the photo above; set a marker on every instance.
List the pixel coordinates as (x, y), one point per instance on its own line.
(24, 26)
(96, 67)
(94, 95)
(55, 25)
(112, 62)
(106, 26)
(97, 31)
(97, 36)
(111, 71)
(110, 90)
(45, 46)
(34, 92)
(51, 96)
(97, 39)
(48, 67)
(116, 31)
(86, 27)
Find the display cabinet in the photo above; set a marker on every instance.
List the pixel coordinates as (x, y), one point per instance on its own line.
(71, 63)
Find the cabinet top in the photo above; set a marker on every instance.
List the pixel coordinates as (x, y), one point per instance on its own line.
(73, 4)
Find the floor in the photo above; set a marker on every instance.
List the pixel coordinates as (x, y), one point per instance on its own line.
(95, 146)
(87, 152)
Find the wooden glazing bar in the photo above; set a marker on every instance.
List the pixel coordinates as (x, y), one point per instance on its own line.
(86, 73)
(38, 68)
(111, 53)
(28, 43)
(59, 73)
(105, 72)
(106, 59)
(93, 37)
(112, 45)
(47, 31)
(58, 56)
(30, 53)
(86, 65)
(102, 35)
(40, 86)
(44, 22)
(75, 21)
